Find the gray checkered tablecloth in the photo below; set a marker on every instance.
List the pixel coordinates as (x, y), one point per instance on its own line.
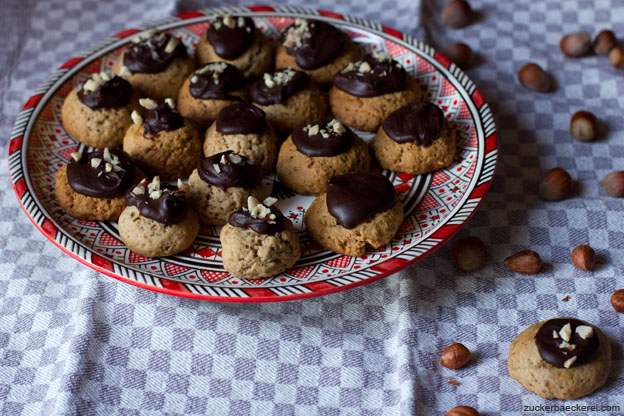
(73, 342)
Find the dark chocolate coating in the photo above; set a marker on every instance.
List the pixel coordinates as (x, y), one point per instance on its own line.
(325, 43)
(317, 145)
(96, 182)
(264, 95)
(548, 346)
(170, 208)
(241, 118)
(420, 123)
(230, 43)
(207, 86)
(115, 93)
(246, 175)
(149, 56)
(242, 219)
(162, 118)
(385, 77)
(355, 197)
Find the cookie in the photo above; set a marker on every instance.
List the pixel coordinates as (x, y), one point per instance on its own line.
(162, 142)
(236, 40)
(222, 183)
(563, 358)
(97, 112)
(156, 64)
(357, 211)
(258, 241)
(317, 152)
(415, 139)
(316, 48)
(243, 129)
(288, 99)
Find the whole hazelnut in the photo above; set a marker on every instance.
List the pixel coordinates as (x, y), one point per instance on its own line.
(469, 254)
(617, 300)
(584, 126)
(613, 184)
(616, 56)
(460, 53)
(533, 77)
(604, 42)
(462, 411)
(584, 257)
(525, 262)
(455, 356)
(575, 44)
(457, 13)
(556, 185)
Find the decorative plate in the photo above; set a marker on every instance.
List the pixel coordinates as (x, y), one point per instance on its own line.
(437, 205)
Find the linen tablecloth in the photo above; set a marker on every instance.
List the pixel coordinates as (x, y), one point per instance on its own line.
(73, 341)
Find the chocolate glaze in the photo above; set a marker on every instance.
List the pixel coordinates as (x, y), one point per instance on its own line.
(96, 182)
(241, 118)
(161, 118)
(245, 175)
(385, 77)
(317, 145)
(230, 43)
(207, 86)
(548, 346)
(323, 45)
(170, 208)
(420, 123)
(115, 93)
(149, 56)
(264, 95)
(242, 219)
(355, 197)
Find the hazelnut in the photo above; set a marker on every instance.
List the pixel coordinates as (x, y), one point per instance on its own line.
(525, 262)
(533, 77)
(462, 411)
(457, 13)
(584, 257)
(584, 126)
(604, 42)
(613, 184)
(617, 300)
(575, 44)
(469, 253)
(455, 356)
(616, 56)
(556, 185)
(460, 53)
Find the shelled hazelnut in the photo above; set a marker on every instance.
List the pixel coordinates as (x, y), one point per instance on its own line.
(457, 13)
(460, 53)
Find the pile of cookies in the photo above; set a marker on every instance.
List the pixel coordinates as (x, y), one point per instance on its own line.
(210, 126)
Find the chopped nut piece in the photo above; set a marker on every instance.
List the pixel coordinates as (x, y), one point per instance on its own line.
(240, 22)
(107, 155)
(223, 160)
(91, 86)
(566, 332)
(252, 202)
(565, 299)
(108, 167)
(324, 134)
(268, 81)
(297, 33)
(95, 162)
(155, 194)
(138, 190)
(124, 71)
(269, 201)
(148, 103)
(569, 362)
(218, 25)
(228, 20)
(348, 68)
(452, 382)
(105, 76)
(136, 118)
(194, 79)
(313, 130)
(585, 331)
(180, 184)
(216, 168)
(564, 345)
(234, 158)
(555, 334)
(76, 156)
(336, 126)
(364, 67)
(382, 56)
(172, 44)
(170, 103)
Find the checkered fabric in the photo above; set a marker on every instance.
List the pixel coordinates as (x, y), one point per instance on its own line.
(74, 342)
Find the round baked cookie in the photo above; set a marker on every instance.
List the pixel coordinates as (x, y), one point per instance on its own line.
(92, 185)
(288, 99)
(357, 211)
(209, 90)
(243, 128)
(366, 92)
(222, 183)
(162, 142)
(258, 241)
(563, 358)
(236, 40)
(97, 112)
(317, 152)
(157, 221)
(316, 48)
(415, 139)
(156, 64)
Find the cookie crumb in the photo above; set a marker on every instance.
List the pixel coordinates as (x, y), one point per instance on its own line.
(567, 298)
(453, 382)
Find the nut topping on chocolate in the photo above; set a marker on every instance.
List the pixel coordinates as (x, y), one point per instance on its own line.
(136, 118)
(585, 331)
(148, 103)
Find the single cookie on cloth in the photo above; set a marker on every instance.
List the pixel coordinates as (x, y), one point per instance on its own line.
(162, 142)
(562, 358)
(318, 151)
(358, 211)
(236, 40)
(243, 128)
(210, 89)
(415, 139)
(93, 184)
(288, 99)
(222, 183)
(156, 64)
(157, 220)
(97, 112)
(316, 48)
(366, 92)
(258, 241)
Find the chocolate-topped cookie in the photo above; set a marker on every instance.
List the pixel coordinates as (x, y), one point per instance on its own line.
(375, 75)
(103, 91)
(162, 203)
(278, 86)
(261, 218)
(566, 342)
(241, 118)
